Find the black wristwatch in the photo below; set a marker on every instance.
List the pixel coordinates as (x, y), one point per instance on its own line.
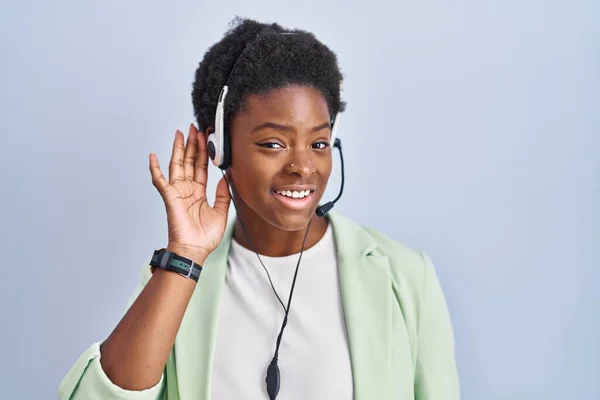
(170, 261)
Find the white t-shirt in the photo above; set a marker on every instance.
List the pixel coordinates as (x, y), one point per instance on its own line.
(314, 358)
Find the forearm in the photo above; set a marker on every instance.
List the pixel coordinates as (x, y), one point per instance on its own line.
(134, 355)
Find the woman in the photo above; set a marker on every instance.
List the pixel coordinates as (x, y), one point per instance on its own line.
(369, 319)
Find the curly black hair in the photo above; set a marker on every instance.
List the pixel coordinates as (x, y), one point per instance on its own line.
(267, 59)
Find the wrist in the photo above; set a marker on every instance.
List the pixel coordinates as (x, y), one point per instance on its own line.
(179, 261)
(196, 255)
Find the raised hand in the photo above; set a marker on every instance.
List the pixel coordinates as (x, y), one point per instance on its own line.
(195, 228)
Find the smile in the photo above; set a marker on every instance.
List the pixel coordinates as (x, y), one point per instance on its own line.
(294, 199)
(295, 194)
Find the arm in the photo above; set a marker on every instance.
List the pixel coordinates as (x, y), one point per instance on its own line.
(134, 355)
(436, 375)
(89, 378)
(130, 363)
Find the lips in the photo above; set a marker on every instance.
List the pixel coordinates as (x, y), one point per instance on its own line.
(295, 197)
(295, 204)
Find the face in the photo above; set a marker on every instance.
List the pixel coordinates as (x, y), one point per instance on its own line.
(280, 147)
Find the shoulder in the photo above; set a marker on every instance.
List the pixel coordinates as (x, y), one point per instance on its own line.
(410, 271)
(406, 263)
(409, 267)
(397, 251)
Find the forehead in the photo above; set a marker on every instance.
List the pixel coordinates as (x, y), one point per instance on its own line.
(293, 104)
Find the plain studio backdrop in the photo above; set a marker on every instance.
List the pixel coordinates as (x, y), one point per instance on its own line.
(471, 133)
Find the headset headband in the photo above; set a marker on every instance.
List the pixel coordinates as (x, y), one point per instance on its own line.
(219, 150)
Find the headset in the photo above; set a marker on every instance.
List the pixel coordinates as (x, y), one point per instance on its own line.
(219, 148)
(219, 151)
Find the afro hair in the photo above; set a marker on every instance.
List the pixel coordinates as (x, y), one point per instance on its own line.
(257, 58)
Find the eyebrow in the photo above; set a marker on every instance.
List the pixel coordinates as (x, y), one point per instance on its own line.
(286, 128)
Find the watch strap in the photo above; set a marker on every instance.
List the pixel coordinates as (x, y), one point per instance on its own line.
(169, 261)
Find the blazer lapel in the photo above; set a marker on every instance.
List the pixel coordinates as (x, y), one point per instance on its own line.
(196, 339)
(365, 284)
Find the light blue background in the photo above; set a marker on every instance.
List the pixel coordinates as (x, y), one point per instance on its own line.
(472, 133)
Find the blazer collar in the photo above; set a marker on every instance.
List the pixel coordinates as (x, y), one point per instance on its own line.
(367, 308)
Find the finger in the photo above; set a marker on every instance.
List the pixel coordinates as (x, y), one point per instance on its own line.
(158, 179)
(190, 153)
(201, 168)
(223, 198)
(176, 164)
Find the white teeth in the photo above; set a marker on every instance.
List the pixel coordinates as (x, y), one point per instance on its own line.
(294, 194)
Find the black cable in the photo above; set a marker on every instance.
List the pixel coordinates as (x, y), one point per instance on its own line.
(291, 292)
(251, 243)
(273, 376)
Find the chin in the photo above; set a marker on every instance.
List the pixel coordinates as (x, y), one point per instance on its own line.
(291, 221)
(288, 220)
(290, 217)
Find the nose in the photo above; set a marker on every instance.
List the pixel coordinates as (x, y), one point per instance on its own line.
(300, 164)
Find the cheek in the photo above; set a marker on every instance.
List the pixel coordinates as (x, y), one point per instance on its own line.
(325, 169)
(252, 179)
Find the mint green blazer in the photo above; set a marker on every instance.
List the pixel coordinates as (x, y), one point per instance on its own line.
(399, 328)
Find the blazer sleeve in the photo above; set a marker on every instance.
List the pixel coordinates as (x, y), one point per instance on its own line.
(436, 374)
(86, 379)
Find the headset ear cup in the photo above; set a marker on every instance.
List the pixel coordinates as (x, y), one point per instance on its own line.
(212, 149)
(226, 160)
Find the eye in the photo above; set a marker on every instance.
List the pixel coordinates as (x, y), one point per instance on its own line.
(320, 145)
(270, 145)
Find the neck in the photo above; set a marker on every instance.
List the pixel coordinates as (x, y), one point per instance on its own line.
(271, 241)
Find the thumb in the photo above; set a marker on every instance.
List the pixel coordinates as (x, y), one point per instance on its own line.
(223, 198)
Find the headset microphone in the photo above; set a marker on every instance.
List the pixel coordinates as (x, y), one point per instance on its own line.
(325, 208)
